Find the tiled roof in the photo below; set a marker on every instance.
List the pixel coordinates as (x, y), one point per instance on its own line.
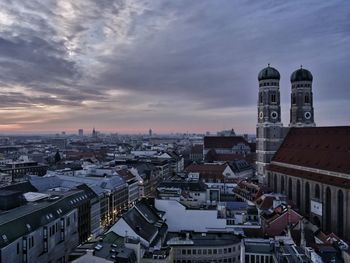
(207, 171)
(207, 168)
(197, 149)
(223, 141)
(126, 174)
(325, 148)
(322, 178)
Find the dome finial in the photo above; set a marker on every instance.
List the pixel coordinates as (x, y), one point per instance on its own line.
(268, 64)
(301, 66)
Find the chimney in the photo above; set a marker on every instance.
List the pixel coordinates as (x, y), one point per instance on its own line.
(126, 237)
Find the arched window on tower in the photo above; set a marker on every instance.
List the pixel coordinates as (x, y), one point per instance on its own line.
(260, 98)
(294, 99)
(273, 97)
(307, 98)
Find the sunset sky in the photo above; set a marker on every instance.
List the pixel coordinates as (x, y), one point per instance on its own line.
(173, 66)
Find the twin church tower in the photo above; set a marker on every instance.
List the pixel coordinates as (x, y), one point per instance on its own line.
(270, 131)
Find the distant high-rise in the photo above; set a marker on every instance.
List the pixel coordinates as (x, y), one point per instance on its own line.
(150, 132)
(81, 132)
(94, 133)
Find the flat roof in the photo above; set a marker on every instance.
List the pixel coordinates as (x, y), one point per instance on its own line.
(208, 239)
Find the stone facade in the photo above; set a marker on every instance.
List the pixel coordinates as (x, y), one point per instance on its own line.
(269, 130)
(301, 110)
(334, 200)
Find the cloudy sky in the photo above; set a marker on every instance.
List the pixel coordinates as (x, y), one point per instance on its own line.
(127, 66)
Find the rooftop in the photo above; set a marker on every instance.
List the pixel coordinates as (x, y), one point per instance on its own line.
(324, 148)
(212, 142)
(209, 239)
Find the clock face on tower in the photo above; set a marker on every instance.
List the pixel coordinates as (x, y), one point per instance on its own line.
(261, 115)
(274, 115)
(307, 115)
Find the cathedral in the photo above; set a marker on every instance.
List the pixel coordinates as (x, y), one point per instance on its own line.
(310, 164)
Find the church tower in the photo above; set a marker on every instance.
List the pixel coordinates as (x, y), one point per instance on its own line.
(301, 110)
(269, 130)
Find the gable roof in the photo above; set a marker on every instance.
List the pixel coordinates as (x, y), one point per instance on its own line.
(126, 174)
(206, 168)
(197, 149)
(324, 148)
(23, 220)
(144, 221)
(223, 141)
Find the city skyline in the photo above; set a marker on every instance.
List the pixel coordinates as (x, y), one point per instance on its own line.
(128, 66)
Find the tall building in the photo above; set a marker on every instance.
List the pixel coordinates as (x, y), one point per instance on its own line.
(94, 133)
(81, 132)
(301, 110)
(312, 168)
(309, 164)
(269, 129)
(150, 132)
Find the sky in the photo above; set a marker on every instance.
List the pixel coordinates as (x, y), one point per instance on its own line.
(174, 66)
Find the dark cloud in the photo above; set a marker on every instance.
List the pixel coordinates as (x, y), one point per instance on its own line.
(138, 57)
(214, 51)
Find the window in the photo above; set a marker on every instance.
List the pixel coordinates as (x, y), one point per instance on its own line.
(273, 97)
(307, 98)
(184, 252)
(24, 243)
(17, 248)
